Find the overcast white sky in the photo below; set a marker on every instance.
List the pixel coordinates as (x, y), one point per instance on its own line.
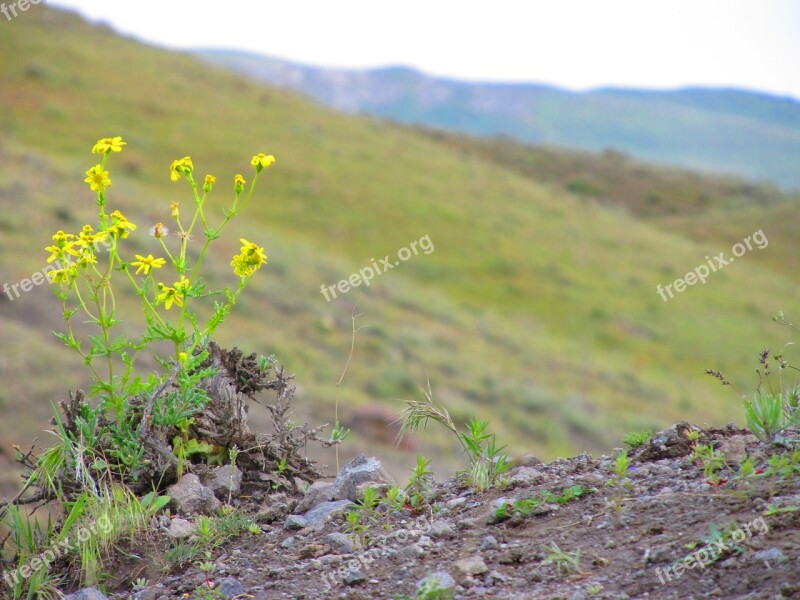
(576, 44)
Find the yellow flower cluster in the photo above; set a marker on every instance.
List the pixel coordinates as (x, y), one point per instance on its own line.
(108, 145)
(249, 260)
(182, 166)
(173, 295)
(261, 161)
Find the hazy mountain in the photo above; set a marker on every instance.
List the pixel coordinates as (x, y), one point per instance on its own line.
(727, 130)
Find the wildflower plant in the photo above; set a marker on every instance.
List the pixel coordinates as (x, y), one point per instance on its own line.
(92, 267)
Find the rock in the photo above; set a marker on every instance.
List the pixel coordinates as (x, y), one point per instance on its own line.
(440, 581)
(296, 522)
(340, 542)
(317, 493)
(86, 594)
(181, 528)
(189, 496)
(289, 543)
(527, 476)
(734, 448)
(526, 460)
(275, 509)
(224, 481)
(456, 503)
(442, 530)
(318, 516)
(489, 542)
(770, 555)
(359, 473)
(473, 565)
(230, 588)
(354, 577)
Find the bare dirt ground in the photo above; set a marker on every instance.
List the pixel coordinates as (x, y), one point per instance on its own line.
(671, 525)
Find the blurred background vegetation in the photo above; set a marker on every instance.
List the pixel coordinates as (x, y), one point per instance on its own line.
(537, 310)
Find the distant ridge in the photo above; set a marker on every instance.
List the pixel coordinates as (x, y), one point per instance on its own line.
(733, 131)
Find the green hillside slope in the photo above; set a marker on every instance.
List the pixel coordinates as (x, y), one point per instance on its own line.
(536, 310)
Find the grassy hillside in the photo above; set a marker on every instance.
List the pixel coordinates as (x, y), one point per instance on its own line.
(725, 130)
(536, 310)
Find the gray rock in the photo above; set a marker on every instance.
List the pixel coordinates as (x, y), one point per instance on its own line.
(734, 448)
(771, 555)
(86, 594)
(527, 476)
(354, 577)
(296, 522)
(359, 473)
(181, 528)
(489, 542)
(456, 503)
(442, 530)
(319, 515)
(230, 588)
(439, 581)
(289, 543)
(340, 542)
(189, 496)
(223, 481)
(317, 493)
(472, 565)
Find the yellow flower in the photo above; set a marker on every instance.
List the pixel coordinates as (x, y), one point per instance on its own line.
(145, 263)
(174, 208)
(120, 225)
(86, 259)
(97, 179)
(182, 166)
(261, 161)
(64, 244)
(168, 296)
(182, 287)
(249, 260)
(63, 276)
(183, 357)
(158, 230)
(238, 183)
(209, 183)
(88, 239)
(108, 145)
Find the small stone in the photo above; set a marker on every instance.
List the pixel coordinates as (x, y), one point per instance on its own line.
(440, 581)
(442, 530)
(734, 448)
(296, 522)
(230, 588)
(181, 528)
(289, 543)
(473, 565)
(86, 594)
(359, 473)
(489, 543)
(354, 577)
(770, 555)
(223, 481)
(317, 493)
(527, 476)
(340, 542)
(456, 503)
(189, 496)
(324, 512)
(526, 460)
